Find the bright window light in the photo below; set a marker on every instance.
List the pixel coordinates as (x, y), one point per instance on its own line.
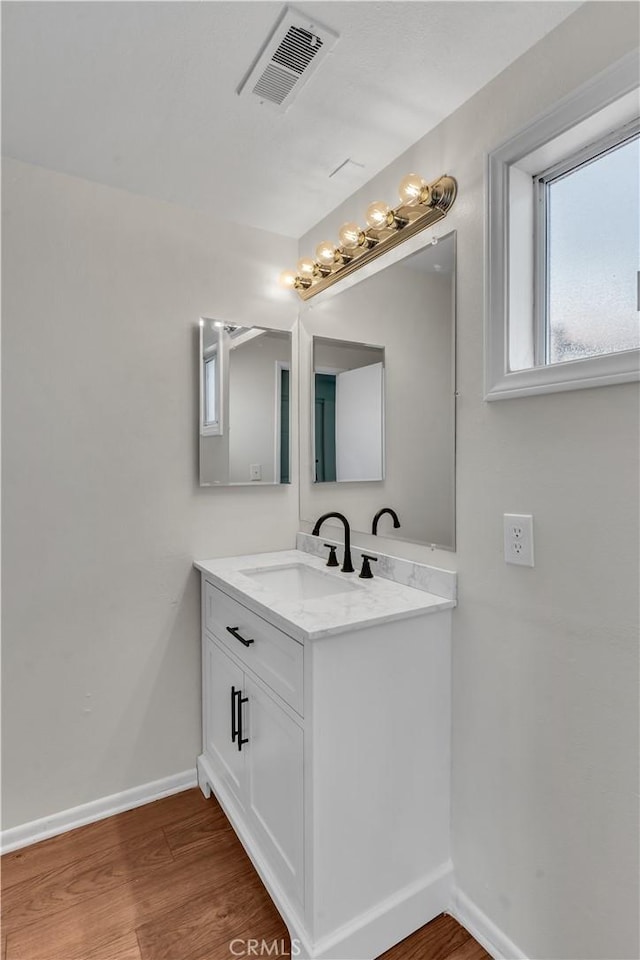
(592, 232)
(210, 389)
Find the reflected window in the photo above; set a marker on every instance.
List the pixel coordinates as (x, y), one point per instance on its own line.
(210, 390)
(211, 377)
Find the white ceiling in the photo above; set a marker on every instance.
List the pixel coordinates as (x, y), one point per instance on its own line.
(141, 95)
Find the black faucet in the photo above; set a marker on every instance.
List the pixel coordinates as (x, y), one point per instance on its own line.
(347, 566)
(381, 513)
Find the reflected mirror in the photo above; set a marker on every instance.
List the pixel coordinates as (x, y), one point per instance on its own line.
(348, 417)
(406, 421)
(245, 419)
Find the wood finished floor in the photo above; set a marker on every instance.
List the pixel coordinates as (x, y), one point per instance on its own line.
(167, 881)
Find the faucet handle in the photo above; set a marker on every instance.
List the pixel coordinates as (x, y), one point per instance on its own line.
(333, 560)
(365, 573)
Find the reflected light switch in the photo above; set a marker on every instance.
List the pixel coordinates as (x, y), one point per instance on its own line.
(255, 471)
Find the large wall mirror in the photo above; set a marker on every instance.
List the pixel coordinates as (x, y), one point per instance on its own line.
(378, 399)
(245, 410)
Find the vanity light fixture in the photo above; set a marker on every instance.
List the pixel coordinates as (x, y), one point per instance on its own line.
(421, 205)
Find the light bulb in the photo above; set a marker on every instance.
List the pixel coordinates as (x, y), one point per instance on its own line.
(413, 189)
(306, 267)
(378, 215)
(287, 279)
(326, 252)
(350, 235)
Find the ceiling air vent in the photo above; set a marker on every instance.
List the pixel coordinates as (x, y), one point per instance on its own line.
(292, 53)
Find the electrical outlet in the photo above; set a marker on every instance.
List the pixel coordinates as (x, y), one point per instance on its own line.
(518, 539)
(255, 471)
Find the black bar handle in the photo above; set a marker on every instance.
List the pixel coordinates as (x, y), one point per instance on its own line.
(241, 739)
(234, 728)
(234, 633)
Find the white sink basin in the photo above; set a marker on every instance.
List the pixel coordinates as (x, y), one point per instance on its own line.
(297, 581)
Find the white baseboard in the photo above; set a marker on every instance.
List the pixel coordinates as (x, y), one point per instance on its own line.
(482, 929)
(36, 830)
(390, 922)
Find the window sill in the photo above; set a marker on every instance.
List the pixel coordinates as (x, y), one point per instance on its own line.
(601, 371)
(212, 430)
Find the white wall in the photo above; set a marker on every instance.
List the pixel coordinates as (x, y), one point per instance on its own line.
(102, 291)
(342, 355)
(545, 729)
(252, 406)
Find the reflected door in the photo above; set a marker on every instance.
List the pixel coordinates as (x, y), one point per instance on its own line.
(325, 427)
(284, 426)
(359, 423)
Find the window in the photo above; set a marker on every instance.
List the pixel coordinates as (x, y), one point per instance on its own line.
(588, 233)
(564, 245)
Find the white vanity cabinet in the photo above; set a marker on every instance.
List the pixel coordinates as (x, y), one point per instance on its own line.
(252, 741)
(340, 794)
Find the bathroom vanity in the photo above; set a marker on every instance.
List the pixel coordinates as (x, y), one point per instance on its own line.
(326, 739)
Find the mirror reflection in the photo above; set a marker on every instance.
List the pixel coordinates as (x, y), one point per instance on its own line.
(407, 309)
(348, 417)
(244, 404)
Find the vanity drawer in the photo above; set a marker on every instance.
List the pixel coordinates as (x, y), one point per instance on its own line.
(271, 654)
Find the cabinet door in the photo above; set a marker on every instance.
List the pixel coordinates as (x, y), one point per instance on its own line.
(222, 677)
(274, 787)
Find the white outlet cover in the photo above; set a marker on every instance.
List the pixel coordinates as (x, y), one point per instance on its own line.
(518, 539)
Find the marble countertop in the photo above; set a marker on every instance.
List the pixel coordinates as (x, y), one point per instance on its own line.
(370, 602)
